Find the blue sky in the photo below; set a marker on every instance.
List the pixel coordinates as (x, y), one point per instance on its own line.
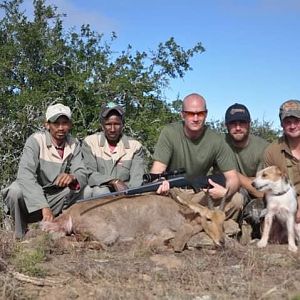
(252, 47)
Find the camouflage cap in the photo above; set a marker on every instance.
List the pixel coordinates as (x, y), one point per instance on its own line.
(290, 108)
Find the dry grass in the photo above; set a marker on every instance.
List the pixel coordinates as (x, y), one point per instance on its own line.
(133, 270)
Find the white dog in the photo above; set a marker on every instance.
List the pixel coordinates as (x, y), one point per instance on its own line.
(281, 202)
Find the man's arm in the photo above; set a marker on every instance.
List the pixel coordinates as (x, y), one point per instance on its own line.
(270, 156)
(78, 172)
(47, 214)
(27, 177)
(158, 167)
(246, 184)
(232, 182)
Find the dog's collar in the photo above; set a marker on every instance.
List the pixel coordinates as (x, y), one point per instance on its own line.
(281, 193)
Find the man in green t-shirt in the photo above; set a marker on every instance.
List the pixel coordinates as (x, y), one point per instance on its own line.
(191, 145)
(248, 150)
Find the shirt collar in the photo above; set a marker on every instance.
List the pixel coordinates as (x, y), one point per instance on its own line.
(124, 140)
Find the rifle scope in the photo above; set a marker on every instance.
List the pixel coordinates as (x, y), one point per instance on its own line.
(149, 177)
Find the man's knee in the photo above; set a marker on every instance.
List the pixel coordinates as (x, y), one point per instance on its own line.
(237, 201)
(87, 192)
(234, 206)
(12, 195)
(95, 191)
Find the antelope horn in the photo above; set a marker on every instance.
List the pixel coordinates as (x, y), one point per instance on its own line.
(210, 203)
(223, 201)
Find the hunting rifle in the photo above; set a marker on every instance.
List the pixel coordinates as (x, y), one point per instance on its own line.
(175, 180)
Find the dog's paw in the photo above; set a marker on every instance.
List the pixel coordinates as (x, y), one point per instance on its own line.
(262, 244)
(293, 248)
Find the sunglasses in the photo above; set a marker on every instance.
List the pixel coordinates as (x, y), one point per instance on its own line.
(191, 114)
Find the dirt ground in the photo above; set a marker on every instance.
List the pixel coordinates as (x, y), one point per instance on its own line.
(72, 269)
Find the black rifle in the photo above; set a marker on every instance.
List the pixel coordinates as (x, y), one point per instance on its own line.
(197, 183)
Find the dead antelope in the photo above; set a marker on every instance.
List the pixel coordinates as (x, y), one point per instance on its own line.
(125, 218)
(209, 219)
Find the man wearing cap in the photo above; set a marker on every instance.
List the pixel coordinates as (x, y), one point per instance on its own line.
(115, 161)
(51, 173)
(285, 152)
(248, 150)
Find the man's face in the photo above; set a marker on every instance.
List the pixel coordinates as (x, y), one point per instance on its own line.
(194, 115)
(113, 127)
(59, 129)
(291, 127)
(238, 130)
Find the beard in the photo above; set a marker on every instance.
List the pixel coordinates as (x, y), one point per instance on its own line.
(240, 139)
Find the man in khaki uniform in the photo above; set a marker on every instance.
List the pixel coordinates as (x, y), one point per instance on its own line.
(115, 161)
(51, 174)
(285, 152)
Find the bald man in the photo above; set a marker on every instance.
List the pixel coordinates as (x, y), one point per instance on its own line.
(191, 145)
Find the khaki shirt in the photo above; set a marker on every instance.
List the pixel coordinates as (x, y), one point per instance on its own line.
(125, 163)
(279, 154)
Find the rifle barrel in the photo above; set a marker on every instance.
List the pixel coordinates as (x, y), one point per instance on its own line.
(196, 183)
(149, 187)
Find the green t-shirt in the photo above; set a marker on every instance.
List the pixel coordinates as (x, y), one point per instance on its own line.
(250, 158)
(176, 151)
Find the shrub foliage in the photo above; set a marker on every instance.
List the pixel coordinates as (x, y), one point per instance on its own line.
(43, 63)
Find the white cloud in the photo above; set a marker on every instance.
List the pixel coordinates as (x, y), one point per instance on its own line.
(78, 15)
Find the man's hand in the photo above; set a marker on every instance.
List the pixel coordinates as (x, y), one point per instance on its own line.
(47, 214)
(217, 191)
(64, 179)
(118, 185)
(164, 188)
(246, 183)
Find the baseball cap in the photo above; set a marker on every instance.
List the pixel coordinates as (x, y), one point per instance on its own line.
(290, 108)
(237, 112)
(53, 112)
(109, 107)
